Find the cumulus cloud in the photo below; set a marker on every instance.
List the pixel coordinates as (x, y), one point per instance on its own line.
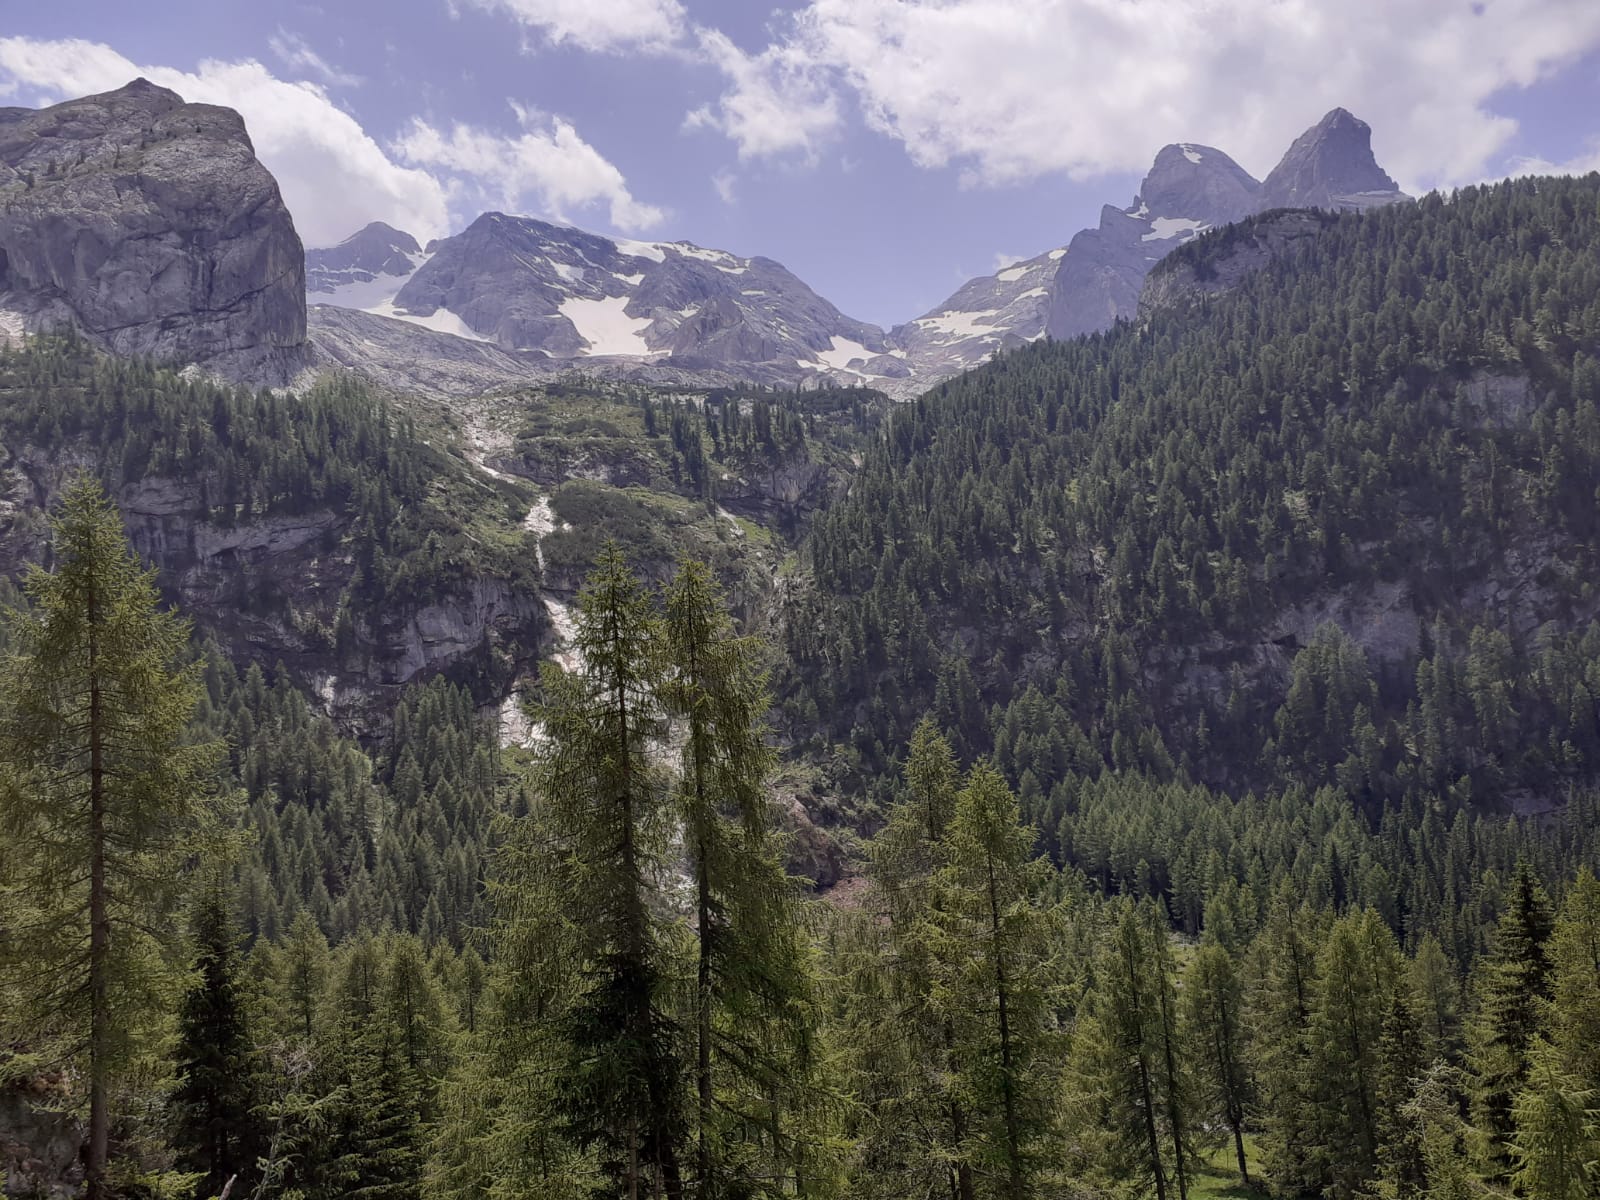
(599, 25)
(334, 177)
(725, 184)
(296, 54)
(547, 167)
(780, 101)
(1008, 90)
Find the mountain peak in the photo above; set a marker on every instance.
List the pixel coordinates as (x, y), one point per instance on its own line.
(1330, 165)
(1198, 182)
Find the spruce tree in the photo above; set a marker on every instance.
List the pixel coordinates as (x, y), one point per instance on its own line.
(1513, 984)
(902, 1038)
(1131, 1102)
(1359, 973)
(217, 1129)
(102, 795)
(1556, 1145)
(1402, 1170)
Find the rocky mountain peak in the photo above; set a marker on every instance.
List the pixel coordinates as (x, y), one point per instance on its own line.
(1330, 165)
(362, 260)
(1199, 182)
(147, 223)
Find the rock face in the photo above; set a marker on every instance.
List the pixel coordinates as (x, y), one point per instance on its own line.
(1189, 189)
(1330, 166)
(148, 224)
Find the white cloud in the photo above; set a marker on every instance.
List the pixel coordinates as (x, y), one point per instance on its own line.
(1008, 90)
(296, 54)
(600, 25)
(547, 166)
(1002, 261)
(334, 177)
(723, 182)
(1579, 164)
(778, 102)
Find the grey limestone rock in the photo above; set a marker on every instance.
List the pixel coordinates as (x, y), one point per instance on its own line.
(148, 224)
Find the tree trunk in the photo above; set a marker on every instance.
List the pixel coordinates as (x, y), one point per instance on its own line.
(99, 924)
(703, 1030)
(1007, 1083)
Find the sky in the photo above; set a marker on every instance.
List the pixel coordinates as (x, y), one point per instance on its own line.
(883, 150)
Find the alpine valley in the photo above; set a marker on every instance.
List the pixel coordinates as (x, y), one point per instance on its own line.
(539, 714)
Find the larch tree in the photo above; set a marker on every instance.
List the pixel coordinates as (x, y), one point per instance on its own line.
(102, 796)
(1213, 1011)
(992, 982)
(753, 1009)
(605, 809)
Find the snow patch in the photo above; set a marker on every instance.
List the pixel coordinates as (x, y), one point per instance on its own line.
(1058, 254)
(570, 273)
(650, 250)
(842, 351)
(369, 293)
(630, 280)
(718, 257)
(1191, 153)
(441, 320)
(958, 324)
(1162, 228)
(11, 325)
(1011, 274)
(604, 325)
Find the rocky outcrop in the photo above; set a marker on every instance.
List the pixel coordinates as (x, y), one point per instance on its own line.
(1189, 189)
(148, 224)
(1219, 266)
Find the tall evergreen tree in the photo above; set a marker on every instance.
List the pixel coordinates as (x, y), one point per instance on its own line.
(102, 795)
(217, 1129)
(1213, 1010)
(1132, 1101)
(993, 987)
(606, 807)
(752, 993)
(1513, 984)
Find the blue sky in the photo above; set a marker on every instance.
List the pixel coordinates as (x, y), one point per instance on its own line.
(883, 150)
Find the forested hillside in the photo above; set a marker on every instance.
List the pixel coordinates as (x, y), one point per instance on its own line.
(1333, 526)
(1212, 705)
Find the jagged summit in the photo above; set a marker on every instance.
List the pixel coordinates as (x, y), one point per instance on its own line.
(1330, 165)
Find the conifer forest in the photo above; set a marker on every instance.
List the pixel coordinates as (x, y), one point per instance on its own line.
(1162, 764)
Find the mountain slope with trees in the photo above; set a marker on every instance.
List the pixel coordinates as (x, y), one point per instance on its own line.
(1335, 525)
